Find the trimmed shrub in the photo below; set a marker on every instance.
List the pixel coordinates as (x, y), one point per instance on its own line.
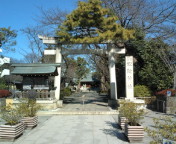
(2, 84)
(132, 112)
(28, 107)
(10, 115)
(65, 92)
(142, 91)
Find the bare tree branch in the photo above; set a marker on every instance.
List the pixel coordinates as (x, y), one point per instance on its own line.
(151, 16)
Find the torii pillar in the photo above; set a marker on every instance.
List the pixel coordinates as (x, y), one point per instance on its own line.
(57, 79)
(112, 72)
(129, 73)
(58, 59)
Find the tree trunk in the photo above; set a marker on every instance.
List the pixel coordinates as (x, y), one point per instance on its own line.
(103, 87)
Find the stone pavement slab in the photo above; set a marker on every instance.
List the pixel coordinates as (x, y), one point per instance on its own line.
(94, 103)
(75, 129)
(80, 129)
(94, 124)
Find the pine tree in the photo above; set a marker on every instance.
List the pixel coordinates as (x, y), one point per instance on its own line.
(92, 23)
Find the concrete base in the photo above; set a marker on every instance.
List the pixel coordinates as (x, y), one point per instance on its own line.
(46, 104)
(59, 103)
(50, 105)
(138, 101)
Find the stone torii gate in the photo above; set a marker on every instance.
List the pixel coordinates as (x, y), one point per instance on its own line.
(112, 69)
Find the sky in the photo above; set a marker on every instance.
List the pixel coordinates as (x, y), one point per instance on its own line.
(19, 14)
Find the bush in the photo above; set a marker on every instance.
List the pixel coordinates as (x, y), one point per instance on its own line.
(28, 107)
(5, 93)
(132, 112)
(165, 128)
(11, 115)
(65, 92)
(2, 84)
(142, 91)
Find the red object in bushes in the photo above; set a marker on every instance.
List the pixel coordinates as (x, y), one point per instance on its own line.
(164, 92)
(4, 93)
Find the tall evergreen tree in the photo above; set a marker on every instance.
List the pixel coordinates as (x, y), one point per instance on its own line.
(81, 69)
(154, 72)
(7, 37)
(91, 23)
(149, 68)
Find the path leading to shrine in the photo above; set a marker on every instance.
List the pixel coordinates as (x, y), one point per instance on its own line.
(86, 103)
(89, 103)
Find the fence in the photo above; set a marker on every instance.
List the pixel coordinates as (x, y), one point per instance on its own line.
(43, 95)
(161, 105)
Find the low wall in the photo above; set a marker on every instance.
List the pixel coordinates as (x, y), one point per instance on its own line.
(46, 104)
(50, 105)
(171, 105)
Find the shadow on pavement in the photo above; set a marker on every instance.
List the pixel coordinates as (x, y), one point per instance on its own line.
(115, 131)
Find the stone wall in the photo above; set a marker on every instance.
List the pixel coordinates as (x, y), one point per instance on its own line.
(2, 102)
(171, 105)
(46, 104)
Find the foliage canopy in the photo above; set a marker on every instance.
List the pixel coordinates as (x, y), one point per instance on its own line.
(7, 37)
(154, 72)
(150, 70)
(81, 70)
(91, 23)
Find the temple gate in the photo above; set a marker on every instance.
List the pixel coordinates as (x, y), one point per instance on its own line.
(110, 52)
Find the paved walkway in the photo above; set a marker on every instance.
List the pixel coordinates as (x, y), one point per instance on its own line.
(84, 103)
(75, 129)
(80, 129)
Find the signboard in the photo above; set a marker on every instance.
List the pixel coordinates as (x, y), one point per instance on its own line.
(129, 77)
(169, 93)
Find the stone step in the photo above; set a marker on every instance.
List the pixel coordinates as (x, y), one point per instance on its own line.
(77, 113)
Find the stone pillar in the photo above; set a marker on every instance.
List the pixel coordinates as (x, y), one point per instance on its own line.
(129, 77)
(57, 79)
(112, 71)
